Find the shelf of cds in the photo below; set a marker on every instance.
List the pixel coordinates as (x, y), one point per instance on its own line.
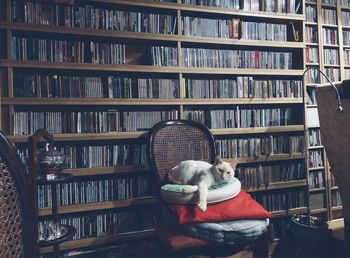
(99, 74)
(327, 31)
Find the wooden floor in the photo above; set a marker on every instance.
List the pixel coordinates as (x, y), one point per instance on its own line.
(286, 248)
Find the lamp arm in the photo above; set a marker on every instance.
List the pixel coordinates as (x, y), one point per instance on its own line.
(339, 107)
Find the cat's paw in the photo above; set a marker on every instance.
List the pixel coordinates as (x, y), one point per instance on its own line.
(202, 206)
(189, 189)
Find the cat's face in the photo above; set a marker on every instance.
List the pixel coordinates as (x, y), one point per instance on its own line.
(223, 170)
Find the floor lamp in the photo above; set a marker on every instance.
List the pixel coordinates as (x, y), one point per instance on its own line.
(333, 101)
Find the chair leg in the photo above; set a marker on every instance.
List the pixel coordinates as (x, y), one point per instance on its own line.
(261, 246)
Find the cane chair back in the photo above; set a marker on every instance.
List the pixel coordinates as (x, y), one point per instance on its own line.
(174, 141)
(16, 213)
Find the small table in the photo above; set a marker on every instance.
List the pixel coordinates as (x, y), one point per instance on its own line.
(53, 238)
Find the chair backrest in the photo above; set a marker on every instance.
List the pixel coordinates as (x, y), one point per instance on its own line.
(171, 142)
(336, 140)
(16, 209)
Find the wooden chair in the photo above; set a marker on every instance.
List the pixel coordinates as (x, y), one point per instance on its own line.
(170, 143)
(17, 237)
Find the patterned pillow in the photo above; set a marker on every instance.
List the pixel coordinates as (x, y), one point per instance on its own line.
(222, 191)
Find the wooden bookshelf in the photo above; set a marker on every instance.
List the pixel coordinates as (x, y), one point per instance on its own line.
(96, 241)
(337, 27)
(290, 212)
(100, 205)
(283, 108)
(280, 185)
(151, 102)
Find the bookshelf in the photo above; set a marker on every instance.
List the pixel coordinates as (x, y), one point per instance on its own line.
(326, 31)
(97, 75)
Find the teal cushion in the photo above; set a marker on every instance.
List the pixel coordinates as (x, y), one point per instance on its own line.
(228, 232)
(222, 191)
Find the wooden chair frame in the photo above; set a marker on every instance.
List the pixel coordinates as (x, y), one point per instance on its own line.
(21, 179)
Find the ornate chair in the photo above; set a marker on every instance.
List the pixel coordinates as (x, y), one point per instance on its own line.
(16, 209)
(170, 143)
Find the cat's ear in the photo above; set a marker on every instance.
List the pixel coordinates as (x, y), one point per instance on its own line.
(234, 165)
(218, 160)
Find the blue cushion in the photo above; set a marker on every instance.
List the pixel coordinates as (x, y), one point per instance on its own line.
(228, 232)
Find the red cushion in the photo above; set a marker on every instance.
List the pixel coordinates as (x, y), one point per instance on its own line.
(175, 240)
(243, 206)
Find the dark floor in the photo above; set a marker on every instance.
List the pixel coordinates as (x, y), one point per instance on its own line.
(331, 249)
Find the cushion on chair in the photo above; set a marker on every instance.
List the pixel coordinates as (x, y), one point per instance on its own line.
(174, 239)
(173, 193)
(229, 232)
(243, 206)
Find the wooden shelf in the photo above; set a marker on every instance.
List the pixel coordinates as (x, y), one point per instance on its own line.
(96, 206)
(140, 134)
(86, 136)
(279, 185)
(208, 10)
(318, 211)
(143, 36)
(107, 170)
(330, 46)
(331, 6)
(313, 85)
(331, 65)
(311, 23)
(23, 27)
(266, 158)
(146, 102)
(95, 241)
(330, 26)
(312, 64)
(290, 212)
(311, 44)
(313, 127)
(337, 208)
(311, 3)
(316, 168)
(144, 68)
(256, 130)
(319, 189)
(343, 8)
(316, 147)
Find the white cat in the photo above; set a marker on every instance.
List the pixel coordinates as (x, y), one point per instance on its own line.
(200, 175)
